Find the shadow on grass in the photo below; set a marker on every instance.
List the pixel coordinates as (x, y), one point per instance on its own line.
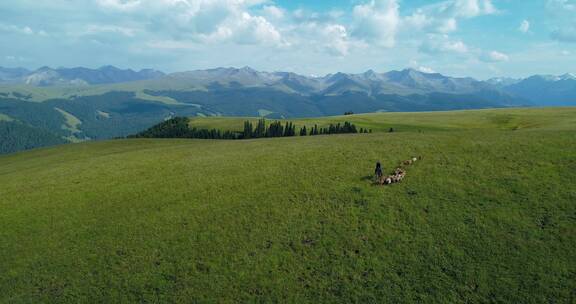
(367, 178)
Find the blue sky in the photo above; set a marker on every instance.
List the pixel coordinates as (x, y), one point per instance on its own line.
(478, 38)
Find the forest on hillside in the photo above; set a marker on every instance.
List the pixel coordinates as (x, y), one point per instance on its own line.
(179, 127)
(17, 137)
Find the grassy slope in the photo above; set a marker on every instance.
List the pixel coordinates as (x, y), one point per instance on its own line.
(4, 117)
(489, 215)
(72, 124)
(542, 118)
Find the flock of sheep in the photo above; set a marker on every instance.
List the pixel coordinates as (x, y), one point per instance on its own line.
(398, 175)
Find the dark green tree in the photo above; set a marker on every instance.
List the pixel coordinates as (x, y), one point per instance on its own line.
(260, 130)
(248, 130)
(287, 129)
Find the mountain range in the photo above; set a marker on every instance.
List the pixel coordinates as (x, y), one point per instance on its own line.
(404, 82)
(46, 76)
(77, 104)
(534, 90)
(544, 89)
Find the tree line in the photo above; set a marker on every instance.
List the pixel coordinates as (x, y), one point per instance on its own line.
(179, 127)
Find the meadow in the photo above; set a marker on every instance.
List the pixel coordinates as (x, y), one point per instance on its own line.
(487, 215)
(493, 119)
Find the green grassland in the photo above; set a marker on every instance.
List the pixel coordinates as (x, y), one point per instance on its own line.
(487, 216)
(509, 119)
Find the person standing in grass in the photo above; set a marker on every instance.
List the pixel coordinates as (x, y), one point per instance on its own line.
(378, 171)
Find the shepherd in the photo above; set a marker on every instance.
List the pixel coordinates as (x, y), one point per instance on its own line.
(378, 171)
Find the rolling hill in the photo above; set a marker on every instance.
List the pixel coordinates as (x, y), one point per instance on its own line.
(487, 215)
(492, 119)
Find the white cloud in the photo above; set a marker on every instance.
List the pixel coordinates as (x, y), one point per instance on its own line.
(373, 23)
(254, 30)
(328, 38)
(377, 22)
(524, 26)
(443, 17)
(122, 5)
(274, 12)
(439, 44)
(187, 24)
(14, 58)
(337, 39)
(427, 70)
(471, 8)
(447, 25)
(97, 29)
(494, 56)
(16, 29)
(424, 69)
(202, 21)
(23, 30)
(172, 45)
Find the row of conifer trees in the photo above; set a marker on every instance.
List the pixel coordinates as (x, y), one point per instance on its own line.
(179, 127)
(276, 129)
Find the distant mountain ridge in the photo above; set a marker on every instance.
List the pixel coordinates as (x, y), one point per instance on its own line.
(405, 82)
(534, 90)
(46, 76)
